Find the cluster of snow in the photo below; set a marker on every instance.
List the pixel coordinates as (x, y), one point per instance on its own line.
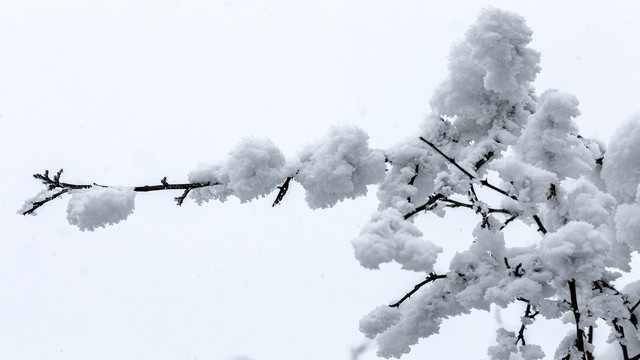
(627, 220)
(621, 164)
(576, 251)
(529, 183)
(490, 75)
(505, 345)
(254, 168)
(98, 206)
(339, 166)
(389, 237)
(410, 179)
(550, 140)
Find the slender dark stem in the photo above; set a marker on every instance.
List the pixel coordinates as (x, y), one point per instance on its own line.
(576, 315)
(282, 191)
(625, 350)
(429, 205)
(510, 219)
(413, 179)
(55, 183)
(450, 159)
(541, 227)
(454, 204)
(484, 182)
(186, 186)
(633, 308)
(430, 278)
(37, 204)
(484, 160)
(529, 315)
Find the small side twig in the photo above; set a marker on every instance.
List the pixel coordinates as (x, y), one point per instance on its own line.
(282, 191)
(432, 277)
(37, 204)
(429, 205)
(576, 314)
(527, 315)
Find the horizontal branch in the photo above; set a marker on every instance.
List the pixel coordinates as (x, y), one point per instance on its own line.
(55, 183)
(454, 203)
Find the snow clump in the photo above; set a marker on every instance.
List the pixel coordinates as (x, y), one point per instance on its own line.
(339, 166)
(389, 237)
(97, 206)
(621, 164)
(253, 169)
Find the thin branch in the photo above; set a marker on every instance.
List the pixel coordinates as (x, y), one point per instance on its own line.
(282, 191)
(528, 315)
(576, 315)
(455, 204)
(484, 182)
(541, 227)
(450, 159)
(625, 351)
(55, 183)
(484, 160)
(633, 308)
(510, 219)
(429, 205)
(413, 179)
(37, 204)
(430, 278)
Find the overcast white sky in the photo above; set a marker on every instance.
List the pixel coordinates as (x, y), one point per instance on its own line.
(126, 92)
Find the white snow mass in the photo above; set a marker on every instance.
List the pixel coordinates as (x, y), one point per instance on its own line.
(97, 206)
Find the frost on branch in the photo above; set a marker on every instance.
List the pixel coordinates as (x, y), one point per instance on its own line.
(96, 207)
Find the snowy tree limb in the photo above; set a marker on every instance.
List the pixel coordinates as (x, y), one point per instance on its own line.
(55, 183)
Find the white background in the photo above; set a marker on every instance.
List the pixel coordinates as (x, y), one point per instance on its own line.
(126, 92)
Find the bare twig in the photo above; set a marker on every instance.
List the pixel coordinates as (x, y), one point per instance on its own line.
(282, 191)
(55, 183)
(413, 179)
(484, 160)
(430, 278)
(510, 219)
(528, 315)
(429, 205)
(453, 204)
(576, 314)
(37, 204)
(541, 227)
